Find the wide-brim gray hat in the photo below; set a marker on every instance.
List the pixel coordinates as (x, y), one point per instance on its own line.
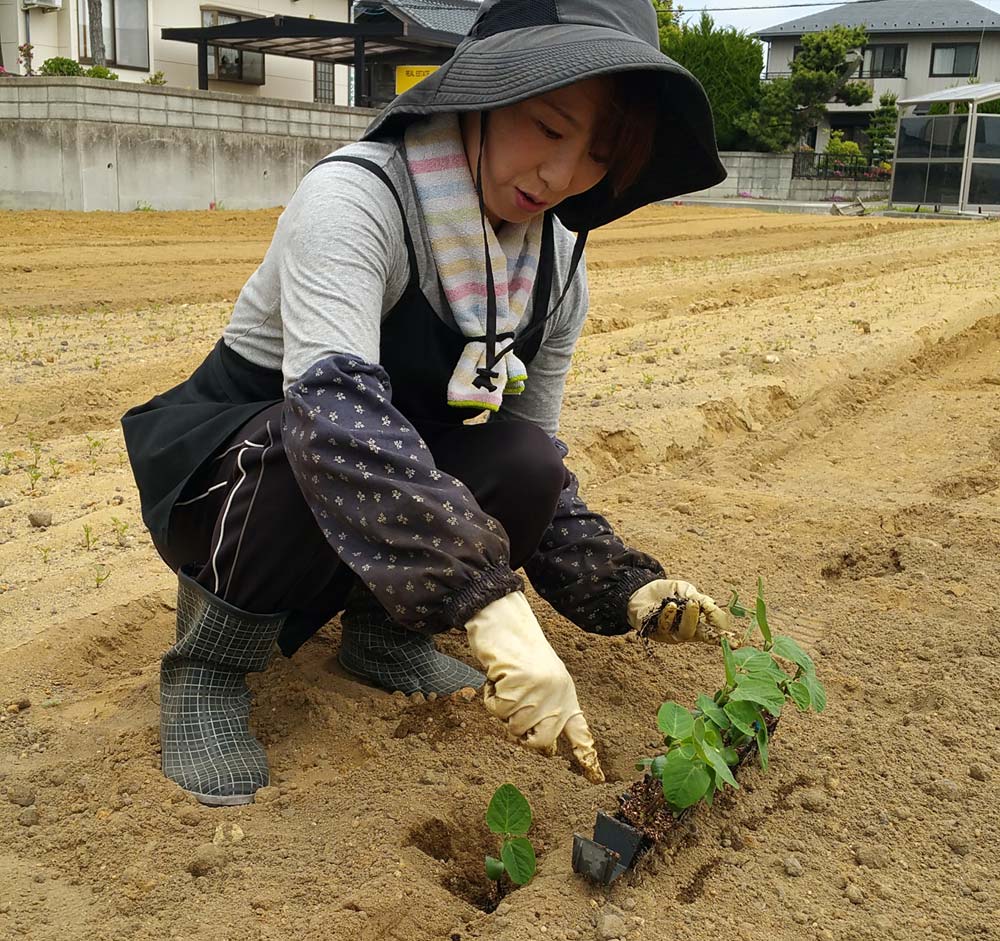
(518, 49)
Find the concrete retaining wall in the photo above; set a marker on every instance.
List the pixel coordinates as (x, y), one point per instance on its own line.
(71, 143)
(769, 176)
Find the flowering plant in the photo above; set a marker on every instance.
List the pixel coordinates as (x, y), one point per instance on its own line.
(24, 52)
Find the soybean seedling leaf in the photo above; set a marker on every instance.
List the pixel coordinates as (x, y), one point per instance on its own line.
(745, 716)
(787, 649)
(735, 608)
(756, 662)
(494, 868)
(817, 694)
(508, 812)
(518, 857)
(719, 766)
(800, 695)
(712, 710)
(762, 614)
(685, 780)
(762, 746)
(674, 721)
(763, 692)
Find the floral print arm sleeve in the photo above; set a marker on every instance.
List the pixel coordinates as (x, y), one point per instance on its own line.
(415, 535)
(583, 569)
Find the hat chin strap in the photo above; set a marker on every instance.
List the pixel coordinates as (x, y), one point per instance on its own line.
(486, 374)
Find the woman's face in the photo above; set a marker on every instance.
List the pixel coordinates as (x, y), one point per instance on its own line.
(540, 151)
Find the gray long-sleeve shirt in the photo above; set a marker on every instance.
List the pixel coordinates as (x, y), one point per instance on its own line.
(338, 264)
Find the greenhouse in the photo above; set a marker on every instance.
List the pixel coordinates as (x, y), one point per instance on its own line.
(948, 150)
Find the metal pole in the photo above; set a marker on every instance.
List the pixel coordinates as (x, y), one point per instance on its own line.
(970, 140)
(360, 79)
(203, 66)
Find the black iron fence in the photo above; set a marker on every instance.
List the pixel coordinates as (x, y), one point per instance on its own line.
(809, 166)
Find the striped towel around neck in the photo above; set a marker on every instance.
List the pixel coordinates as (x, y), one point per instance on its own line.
(450, 205)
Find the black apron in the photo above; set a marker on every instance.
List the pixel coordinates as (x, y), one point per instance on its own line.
(172, 435)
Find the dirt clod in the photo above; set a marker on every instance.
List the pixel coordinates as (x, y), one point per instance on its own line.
(21, 795)
(792, 866)
(28, 817)
(40, 519)
(207, 858)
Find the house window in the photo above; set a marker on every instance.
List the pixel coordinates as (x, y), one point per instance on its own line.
(126, 33)
(885, 61)
(955, 60)
(232, 65)
(323, 83)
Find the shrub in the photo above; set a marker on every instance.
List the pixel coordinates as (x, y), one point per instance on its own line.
(157, 78)
(840, 147)
(101, 71)
(60, 65)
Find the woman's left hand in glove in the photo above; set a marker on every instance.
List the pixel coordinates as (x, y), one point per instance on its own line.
(673, 612)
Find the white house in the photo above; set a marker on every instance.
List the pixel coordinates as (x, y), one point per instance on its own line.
(135, 49)
(914, 47)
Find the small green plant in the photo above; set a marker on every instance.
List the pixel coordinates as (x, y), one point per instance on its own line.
(647, 380)
(101, 71)
(88, 537)
(157, 78)
(101, 574)
(45, 555)
(8, 458)
(36, 450)
(509, 817)
(34, 475)
(95, 446)
(120, 529)
(703, 745)
(60, 65)
(840, 147)
(55, 468)
(96, 364)
(142, 206)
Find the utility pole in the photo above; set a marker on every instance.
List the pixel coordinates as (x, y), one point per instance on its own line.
(95, 14)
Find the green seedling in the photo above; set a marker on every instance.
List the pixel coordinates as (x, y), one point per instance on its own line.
(8, 458)
(703, 744)
(94, 447)
(89, 542)
(101, 574)
(55, 468)
(121, 530)
(509, 817)
(34, 475)
(36, 450)
(45, 555)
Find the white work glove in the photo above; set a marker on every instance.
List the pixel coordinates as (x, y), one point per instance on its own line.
(654, 612)
(527, 686)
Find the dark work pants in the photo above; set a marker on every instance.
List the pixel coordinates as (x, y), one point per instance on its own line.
(243, 523)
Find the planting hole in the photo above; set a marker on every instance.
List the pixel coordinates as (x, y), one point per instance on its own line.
(459, 850)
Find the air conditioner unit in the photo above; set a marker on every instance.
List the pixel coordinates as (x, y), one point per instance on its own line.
(46, 6)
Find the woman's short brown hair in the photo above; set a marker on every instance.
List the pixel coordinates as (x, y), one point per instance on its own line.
(630, 128)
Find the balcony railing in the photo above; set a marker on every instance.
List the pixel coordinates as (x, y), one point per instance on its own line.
(866, 75)
(807, 166)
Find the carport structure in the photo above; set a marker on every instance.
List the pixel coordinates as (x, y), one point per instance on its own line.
(390, 41)
(949, 159)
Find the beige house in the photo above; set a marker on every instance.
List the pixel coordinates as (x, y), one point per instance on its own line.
(135, 49)
(915, 47)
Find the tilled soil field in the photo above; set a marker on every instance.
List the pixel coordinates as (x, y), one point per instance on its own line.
(814, 400)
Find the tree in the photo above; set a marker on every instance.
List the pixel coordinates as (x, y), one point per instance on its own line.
(882, 129)
(728, 64)
(821, 72)
(95, 14)
(666, 16)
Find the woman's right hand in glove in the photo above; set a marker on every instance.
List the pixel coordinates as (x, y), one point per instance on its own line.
(527, 686)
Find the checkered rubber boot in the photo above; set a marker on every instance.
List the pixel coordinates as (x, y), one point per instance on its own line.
(376, 649)
(205, 741)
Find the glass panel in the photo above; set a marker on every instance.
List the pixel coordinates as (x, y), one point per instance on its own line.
(944, 61)
(109, 35)
(987, 137)
(949, 136)
(253, 67)
(910, 183)
(965, 59)
(984, 188)
(230, 66)
(324, 82)
(915, 137)
(132, 33)
(943, 183)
